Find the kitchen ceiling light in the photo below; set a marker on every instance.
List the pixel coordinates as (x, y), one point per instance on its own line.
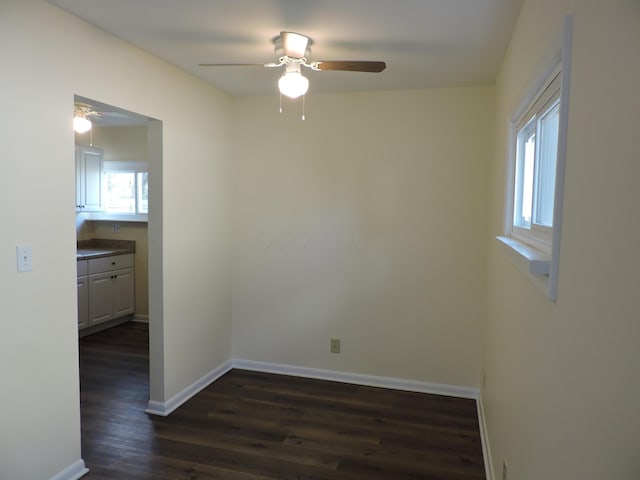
(81, 124)
(292, 83)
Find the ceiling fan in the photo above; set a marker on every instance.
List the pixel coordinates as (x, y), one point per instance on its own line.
(86, 115)
(293, 49)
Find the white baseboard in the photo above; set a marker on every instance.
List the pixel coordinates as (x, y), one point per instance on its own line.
(72, 472)
(165, 408)
(359, 379)
(484, 437)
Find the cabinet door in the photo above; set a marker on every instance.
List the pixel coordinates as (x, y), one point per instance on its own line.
(89, 166)
(79, 181)
(83, 302)
(123, 292)
(100, 302)
(92, 160)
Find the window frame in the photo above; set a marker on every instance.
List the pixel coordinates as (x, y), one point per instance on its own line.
(546, 99)
(541, 265)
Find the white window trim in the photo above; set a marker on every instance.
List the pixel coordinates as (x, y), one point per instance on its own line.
(116, 217)
(540, 265)
(136, 166)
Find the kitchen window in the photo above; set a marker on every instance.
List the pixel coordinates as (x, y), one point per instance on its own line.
(126, 188)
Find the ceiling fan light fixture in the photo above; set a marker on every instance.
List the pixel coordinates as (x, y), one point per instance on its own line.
(292, 83)
(81, 124)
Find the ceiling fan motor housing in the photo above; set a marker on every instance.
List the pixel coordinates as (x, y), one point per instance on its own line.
(293, 45)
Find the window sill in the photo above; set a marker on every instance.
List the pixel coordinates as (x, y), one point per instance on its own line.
(527, 258)
(117, 217)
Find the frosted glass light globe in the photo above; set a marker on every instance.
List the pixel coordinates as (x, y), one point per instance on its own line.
(293, 84)
(81, 124)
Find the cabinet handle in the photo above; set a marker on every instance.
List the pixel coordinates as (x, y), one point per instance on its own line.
(113, 263)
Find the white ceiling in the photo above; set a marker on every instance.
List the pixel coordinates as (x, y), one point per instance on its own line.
(425, 43)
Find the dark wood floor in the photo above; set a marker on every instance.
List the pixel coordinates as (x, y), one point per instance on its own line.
(257, 426)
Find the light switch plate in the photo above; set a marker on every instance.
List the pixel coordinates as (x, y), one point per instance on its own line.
(24, 256)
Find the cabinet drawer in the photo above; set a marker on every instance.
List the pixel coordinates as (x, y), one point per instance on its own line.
(81, 268)
(107, 264)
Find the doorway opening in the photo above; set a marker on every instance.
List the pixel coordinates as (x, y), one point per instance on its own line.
(119, 211)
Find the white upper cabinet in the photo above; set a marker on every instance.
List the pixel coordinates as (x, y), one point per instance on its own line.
(89, 166)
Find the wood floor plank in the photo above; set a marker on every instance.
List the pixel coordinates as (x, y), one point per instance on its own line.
(257, 426)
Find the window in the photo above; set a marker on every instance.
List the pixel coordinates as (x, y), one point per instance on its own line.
(536, 153)
(534, 161)
(538, 145)
(126, 188)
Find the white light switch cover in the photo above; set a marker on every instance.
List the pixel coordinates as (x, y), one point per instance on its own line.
(24, 255)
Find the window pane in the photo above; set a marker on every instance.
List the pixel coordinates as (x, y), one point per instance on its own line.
(524, 174)
(143, 192)
(546, 180)
(527, 184)
(120, 192)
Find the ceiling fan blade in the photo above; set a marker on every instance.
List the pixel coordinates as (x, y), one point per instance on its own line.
(294, 45)
(352, 66)
(235, 65)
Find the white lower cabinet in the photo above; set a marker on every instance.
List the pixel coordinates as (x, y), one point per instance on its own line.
(110, 295)
(83, 294)
(123, 293)
(111, 292)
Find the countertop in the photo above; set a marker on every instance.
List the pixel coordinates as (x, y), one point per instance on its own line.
(98, 248)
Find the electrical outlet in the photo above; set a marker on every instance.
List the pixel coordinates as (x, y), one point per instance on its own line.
(504, 469)
(116, 227)
(335, 345)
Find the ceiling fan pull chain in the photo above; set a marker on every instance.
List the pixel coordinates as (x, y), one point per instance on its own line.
(303, 97)
(281, 103)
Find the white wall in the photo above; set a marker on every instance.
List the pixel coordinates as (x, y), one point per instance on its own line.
(119, 143)
(48, 56)
(562, 389)
(365, 222)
